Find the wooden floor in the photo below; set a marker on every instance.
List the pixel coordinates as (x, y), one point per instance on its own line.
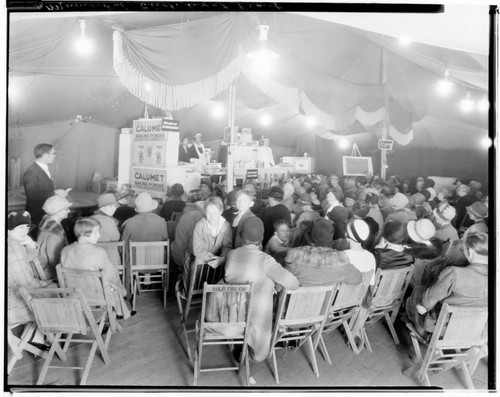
(148, 353)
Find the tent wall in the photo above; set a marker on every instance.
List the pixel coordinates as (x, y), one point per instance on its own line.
(407, 163)
(82, 149)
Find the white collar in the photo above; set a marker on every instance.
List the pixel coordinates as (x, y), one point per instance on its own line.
(44, 167)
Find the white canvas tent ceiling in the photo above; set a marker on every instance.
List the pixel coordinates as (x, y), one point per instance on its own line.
(48, 82)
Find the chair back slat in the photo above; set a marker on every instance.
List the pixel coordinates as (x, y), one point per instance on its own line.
(306, 304)
(202, 273)
(227, 313)
(390, 285)
(147, 254)
(91, 283)
(460, 327)
(350, 295)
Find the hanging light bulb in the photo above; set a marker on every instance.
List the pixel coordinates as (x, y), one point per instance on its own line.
(263, 58)
(405, 40)
(311, 122)
(343, 144)
(483, 104)
(218, 111)
(445, 86)
(467, 104)
(265, 120)
(83, 46)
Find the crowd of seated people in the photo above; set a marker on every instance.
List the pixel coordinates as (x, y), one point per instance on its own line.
(302, 231)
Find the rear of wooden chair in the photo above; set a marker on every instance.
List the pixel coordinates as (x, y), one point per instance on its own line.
(149, 265)
(114, 249)
(223, 321)
(37, 269)
(300, 317)
(191, 296)
(388, 293)
(458, 340)
(65, 311)
(97, 292)
(22, 343)
(347, 299)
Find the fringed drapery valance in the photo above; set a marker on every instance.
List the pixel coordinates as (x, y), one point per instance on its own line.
(172, 97)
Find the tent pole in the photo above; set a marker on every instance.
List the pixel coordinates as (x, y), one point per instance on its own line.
(230, 163)
(385, 126)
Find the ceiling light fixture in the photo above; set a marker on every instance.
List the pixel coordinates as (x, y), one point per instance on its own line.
(445, 86)
(483, 104)
(467, 104)
(84, 46)
(263, 58)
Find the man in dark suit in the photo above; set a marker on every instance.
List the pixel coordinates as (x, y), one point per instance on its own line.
(38, 183)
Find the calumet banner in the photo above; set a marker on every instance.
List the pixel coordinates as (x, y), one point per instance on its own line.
(153, 130)
(149, 179)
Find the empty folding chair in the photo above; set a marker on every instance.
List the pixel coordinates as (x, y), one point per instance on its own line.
(223, 321)
(22, 343)
(114, 249)
(458, 340)
(97, 292)
(149, 265)
(190, 296)
(300, 317)
(61, 313)
(388, 293)
(347, 299)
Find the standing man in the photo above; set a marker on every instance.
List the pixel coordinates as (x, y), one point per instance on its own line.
(265, 154)
(38, 183)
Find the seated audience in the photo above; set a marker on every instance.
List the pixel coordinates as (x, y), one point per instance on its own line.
(350, 197)
(107, 206)
(279, 244)
(230, 211)
(126, 208)
(84, 255)
(306, 212)
(318, 263)
(247, 264)
(332, 200)
(424, 246)
(287, 200)
(464, 199)
(477, 212)
(274, 212)
(51, 236)
(205, 189)
(184, 230)
(443, 215)
(374, 212)
(315, 202)
(339, 216)
(21, 249)
(400, 211)
(212, 237)
(244, 200)
(391, 252)
(459, 286)
(357, 233)
(174, 204)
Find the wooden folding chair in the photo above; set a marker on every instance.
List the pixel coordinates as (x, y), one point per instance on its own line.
(300, 317)
(114, 249)
(37, 269)
(97, 292)
(347, 299)
(22, 343)
(458, 340)
(388, 293)
(190, 297)
(149, 265)
(223, 322)
(61, 311)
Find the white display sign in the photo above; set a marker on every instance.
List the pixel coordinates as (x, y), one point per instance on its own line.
(153, 130)
(149, 179)
(385, 144)
(149, 154)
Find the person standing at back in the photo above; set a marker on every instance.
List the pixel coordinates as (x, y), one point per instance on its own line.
(38, 183)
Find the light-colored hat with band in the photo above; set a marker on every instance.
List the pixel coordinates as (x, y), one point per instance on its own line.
(55, 204)
(421, 231)
(445, 213)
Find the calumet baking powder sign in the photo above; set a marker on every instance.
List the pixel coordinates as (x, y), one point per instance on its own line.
(149, 179)
(153, 130)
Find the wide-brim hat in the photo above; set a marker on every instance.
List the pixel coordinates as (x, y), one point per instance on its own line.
(18, 218)
(358, 230)
(55, 204)
(145, 203)
(106, 199)
(445, 212)
(478, 209)
(399, 200)
(421, 231)
(321, 233)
